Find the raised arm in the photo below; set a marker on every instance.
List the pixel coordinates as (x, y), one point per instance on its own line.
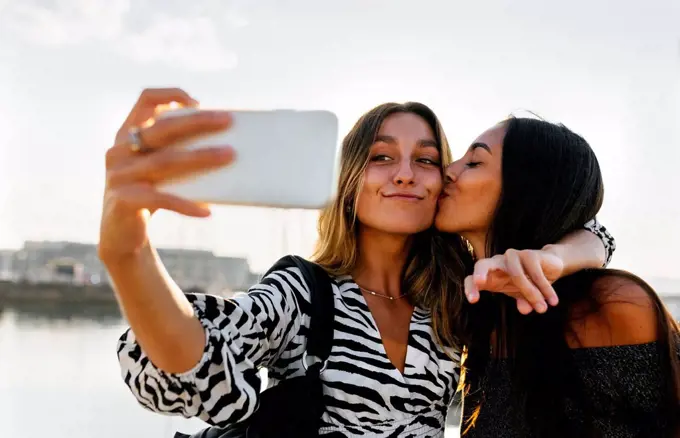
(158, 312)
(188, 355)
(241, 336)
(140, 159)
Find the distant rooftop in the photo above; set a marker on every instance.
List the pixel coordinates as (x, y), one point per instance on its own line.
(59, 244)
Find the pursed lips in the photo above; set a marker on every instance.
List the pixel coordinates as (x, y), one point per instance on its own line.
(444, 194)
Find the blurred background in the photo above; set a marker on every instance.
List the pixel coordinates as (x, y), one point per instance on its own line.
(71, 69)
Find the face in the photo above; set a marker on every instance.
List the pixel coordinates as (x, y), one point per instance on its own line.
(473, 187)
(403, 178)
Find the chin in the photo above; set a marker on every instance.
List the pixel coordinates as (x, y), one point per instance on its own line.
(404, 224)
(446, 220)
(409, 231)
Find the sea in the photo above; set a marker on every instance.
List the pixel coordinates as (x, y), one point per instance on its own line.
(59, 377)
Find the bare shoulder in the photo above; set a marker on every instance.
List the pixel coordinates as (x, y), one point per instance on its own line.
(626, 313)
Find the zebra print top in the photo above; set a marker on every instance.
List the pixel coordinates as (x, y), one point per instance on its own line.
(365, 394)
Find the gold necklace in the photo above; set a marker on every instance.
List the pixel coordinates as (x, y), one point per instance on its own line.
(376, 294)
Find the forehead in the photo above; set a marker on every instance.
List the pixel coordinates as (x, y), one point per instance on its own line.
(406, 126)
(493, 137)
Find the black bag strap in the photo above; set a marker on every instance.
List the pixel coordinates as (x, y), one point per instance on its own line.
(319, 336)
(322, 310)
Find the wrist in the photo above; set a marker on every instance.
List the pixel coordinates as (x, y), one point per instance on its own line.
(113, 261)
(561, 252)
(573, 259)
(124, 267)
(555, 249)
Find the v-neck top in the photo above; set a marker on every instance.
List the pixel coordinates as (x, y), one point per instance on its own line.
(365, 395)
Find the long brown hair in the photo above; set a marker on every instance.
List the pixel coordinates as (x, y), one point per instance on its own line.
(434, 269)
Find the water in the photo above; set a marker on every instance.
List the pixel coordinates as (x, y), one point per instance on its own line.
(59, 377)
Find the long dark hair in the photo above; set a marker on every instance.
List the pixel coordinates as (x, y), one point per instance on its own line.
(551, 186)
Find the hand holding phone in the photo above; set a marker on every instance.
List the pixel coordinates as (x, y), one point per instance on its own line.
(284, 159)
(142, 158)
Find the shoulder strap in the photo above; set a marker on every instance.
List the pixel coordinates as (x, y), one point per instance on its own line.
(322, 308)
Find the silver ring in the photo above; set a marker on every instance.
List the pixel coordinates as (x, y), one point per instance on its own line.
(135, 139)
(306, 366)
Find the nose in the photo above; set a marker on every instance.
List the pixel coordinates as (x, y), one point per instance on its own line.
(451, 173)
(404, 174)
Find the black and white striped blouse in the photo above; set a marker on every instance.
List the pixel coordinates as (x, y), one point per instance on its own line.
(365, 394)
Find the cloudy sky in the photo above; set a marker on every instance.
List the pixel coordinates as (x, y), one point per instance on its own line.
(70, 70)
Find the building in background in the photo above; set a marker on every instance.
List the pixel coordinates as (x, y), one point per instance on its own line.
(66, 270)
(38, 262)
(6, 256)
(78, 263)
(198, 269)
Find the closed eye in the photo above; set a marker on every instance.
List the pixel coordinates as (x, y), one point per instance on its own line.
(473, 164)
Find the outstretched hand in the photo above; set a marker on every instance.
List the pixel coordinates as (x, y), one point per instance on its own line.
(526, 275)
(132, 175)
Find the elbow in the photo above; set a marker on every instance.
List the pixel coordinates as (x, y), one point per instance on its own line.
(153, 389)
(168, 353)
(177, 354)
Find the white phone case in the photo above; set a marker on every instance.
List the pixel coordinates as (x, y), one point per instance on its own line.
(284, 159)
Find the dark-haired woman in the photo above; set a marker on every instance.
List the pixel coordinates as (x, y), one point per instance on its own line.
(604, 362)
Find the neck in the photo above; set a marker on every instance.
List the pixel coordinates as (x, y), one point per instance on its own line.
(478, 242)
(381, 260)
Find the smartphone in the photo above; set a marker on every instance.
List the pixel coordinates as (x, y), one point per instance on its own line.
(284, 159)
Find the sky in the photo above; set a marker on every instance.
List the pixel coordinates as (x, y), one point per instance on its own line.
(71, 69)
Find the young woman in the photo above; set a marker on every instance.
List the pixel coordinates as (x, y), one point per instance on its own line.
(604, 362)
(196, 355)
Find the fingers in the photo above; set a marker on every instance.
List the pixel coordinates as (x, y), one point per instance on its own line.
(146, 105)
(481, 274)
(471, 289)
(145, 197)
(169, 131)
(516, 272)
(485, 266)
(169, 164)
(533, 268)
(175, 129)
(523, 306)
(522, 275)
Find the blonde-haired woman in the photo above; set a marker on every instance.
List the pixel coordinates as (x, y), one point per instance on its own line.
(196, 356)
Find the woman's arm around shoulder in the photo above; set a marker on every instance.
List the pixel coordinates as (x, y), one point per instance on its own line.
(605, 236)
(591, 247)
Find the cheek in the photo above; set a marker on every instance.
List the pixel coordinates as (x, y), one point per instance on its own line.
(374, 178)
(479, 194)
(433, 183)
(472, 203)
(477, 187)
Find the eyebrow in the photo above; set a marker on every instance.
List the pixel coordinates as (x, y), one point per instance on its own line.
(480, 145)
(421, 143)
